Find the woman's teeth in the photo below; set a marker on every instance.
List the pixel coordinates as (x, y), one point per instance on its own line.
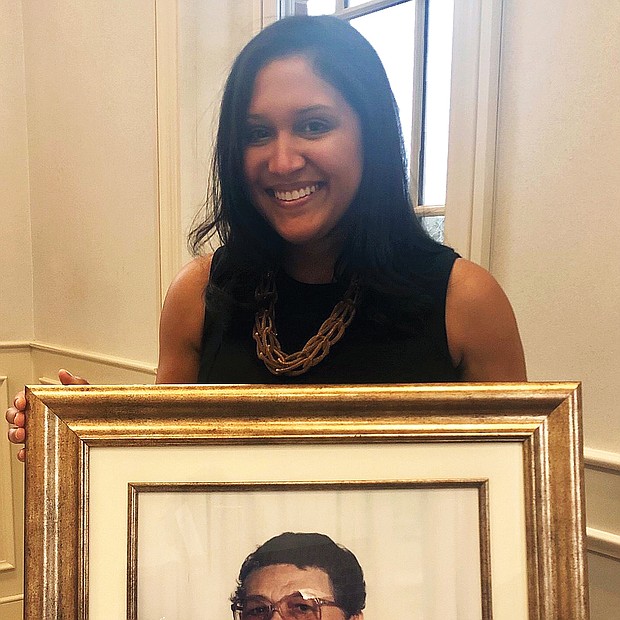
(295, 194)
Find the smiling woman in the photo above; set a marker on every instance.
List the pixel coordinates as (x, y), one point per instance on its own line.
(325, 275)
(310, 197)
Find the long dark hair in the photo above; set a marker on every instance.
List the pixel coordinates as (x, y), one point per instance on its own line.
(384, 236)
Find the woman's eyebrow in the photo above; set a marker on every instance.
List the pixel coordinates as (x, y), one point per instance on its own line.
(256, 117)
(319, 107)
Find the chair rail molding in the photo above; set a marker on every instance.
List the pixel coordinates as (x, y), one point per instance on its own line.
(8, 345)
(599, 541)
(100, 358)
(602, 460)
(31, 347)
(603, 543)
(15, 598)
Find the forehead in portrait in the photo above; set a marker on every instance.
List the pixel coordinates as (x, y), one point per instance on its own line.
(309, 567)
(343, 58)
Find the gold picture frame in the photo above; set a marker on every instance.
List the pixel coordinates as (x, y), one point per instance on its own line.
(92, 448)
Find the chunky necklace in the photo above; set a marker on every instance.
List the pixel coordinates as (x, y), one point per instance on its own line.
(268, 348)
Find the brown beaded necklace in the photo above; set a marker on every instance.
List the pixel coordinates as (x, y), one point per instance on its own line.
(268, 348)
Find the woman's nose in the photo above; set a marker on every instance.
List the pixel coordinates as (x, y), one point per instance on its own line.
(285, 156)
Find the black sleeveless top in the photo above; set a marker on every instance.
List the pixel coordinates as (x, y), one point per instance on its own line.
(367, 353)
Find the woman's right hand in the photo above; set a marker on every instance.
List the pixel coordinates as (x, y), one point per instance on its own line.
(16, 415)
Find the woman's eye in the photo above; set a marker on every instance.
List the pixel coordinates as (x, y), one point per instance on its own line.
(257, 134)
(314, 127)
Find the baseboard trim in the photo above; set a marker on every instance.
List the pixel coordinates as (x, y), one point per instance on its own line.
(603, 543)
(602, 460)
(108, 360)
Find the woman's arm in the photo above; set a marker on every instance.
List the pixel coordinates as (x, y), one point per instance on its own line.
(483, 336)
(181, 324)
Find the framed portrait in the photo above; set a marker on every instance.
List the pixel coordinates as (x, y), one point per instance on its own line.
(458, 500)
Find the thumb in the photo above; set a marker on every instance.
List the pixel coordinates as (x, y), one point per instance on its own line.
(66, 378)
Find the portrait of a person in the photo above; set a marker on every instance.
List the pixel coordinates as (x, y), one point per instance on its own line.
(301, 576)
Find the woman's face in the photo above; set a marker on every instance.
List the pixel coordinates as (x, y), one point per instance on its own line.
(274, 583)
(303, 159)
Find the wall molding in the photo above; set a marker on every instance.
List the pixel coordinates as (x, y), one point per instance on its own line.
(10, 345)
(470, 194)
(98, 358)
(601, 460)
(603, 543)
(108, 360)
(15, 598)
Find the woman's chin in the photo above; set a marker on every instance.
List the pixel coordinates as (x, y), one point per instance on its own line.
(300, 238)
(311, 237)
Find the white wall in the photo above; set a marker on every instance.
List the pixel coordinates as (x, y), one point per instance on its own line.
(16, 322)
(90, 74)
(556, 243)
(558, 191)
(16, 315)
(78, 215)
(212, 33)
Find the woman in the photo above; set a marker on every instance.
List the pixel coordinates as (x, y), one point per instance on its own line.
(324, 275)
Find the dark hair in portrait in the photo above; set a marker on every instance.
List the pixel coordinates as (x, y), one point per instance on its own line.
(306, 550)
(385, 244)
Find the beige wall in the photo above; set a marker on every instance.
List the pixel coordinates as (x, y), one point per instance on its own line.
(90, 75)
(79, 151)
(16, 322)
(207, 47)
(78, 221)
(556, 238)
(16, 315)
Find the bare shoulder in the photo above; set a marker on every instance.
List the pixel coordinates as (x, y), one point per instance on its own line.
(191, 280)
(471, 284)
(181, 323)
(482, 329)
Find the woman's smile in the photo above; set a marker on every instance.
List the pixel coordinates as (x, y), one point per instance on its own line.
(294, 195)
(303, 155)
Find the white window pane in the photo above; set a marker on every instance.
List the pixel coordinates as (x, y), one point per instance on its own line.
(351, 3)
(321, 7)
(437, 105)
(391, 32)
(434, 226)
